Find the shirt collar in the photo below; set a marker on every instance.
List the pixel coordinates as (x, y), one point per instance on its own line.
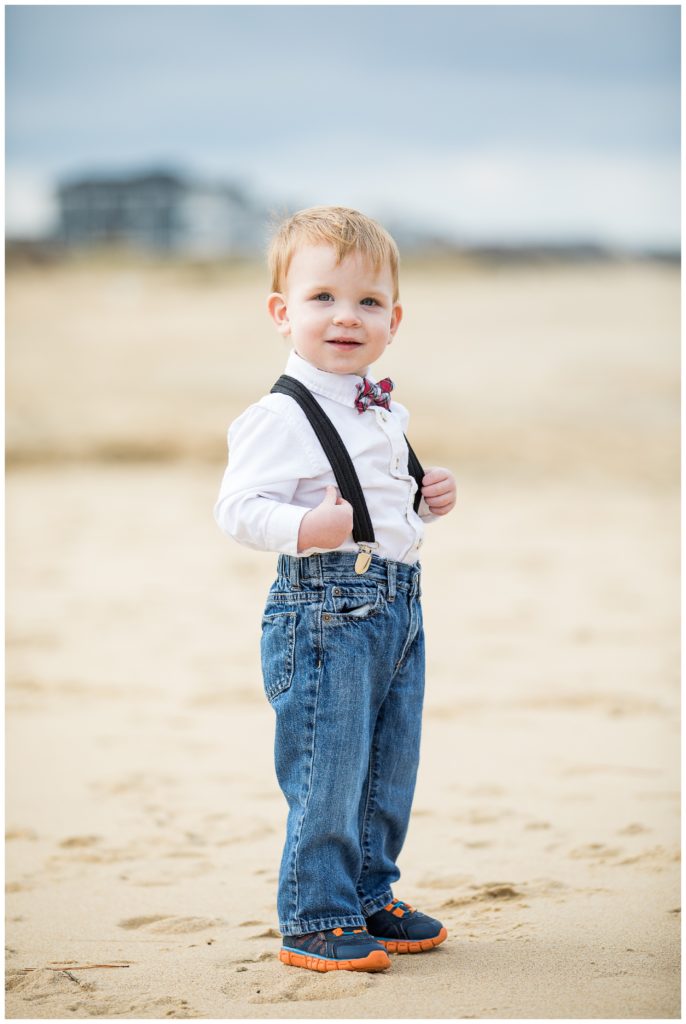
(341, 387)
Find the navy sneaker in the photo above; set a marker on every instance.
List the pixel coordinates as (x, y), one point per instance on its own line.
(340, 949)
(402, 929)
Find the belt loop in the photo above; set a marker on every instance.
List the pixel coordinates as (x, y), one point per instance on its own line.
(317, 571)
(391, 570)
(293, 572)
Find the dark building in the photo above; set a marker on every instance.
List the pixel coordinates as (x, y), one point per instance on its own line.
(161, 212)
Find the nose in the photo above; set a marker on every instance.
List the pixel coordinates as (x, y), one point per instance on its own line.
(346, 318)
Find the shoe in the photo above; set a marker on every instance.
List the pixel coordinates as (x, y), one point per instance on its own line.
(402, 929)
(340, 949)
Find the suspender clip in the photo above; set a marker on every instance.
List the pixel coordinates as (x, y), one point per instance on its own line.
(364, 559)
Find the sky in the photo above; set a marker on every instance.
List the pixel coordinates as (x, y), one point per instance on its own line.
(485, 123)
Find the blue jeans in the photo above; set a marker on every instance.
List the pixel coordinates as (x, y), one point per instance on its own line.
(343, 668)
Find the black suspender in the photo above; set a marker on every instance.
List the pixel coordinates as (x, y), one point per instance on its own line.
(336, 453)
(415, 468)
(341, 463)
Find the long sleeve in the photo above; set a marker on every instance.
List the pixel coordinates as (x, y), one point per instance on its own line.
(266, 461)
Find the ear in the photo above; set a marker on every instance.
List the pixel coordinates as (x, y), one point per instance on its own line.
(278, 311)
(396, 317)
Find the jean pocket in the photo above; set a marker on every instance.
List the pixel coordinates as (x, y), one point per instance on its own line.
(355, 603)
(277, 650)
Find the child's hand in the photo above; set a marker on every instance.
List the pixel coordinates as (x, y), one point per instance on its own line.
(327, 525)
(439, 490)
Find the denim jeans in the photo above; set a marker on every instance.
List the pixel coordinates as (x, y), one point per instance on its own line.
(343, 668)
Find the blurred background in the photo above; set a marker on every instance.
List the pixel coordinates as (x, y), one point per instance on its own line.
(150, 149)
(176, 128)
(527, 160)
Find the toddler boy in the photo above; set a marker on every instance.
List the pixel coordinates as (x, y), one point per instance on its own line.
(342, 640)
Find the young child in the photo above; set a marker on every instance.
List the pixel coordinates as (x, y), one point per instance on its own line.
(342, 639)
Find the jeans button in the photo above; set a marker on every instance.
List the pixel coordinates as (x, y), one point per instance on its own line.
(336, 591)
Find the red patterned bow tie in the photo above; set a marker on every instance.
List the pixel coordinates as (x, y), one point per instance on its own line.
(369, 393)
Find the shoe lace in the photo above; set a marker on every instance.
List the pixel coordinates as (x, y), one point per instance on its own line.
(399, 905)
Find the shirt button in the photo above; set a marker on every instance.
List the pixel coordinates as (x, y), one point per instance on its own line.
(384, 415)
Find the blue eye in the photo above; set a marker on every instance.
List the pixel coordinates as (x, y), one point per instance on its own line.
(370, 299)
(324, 295)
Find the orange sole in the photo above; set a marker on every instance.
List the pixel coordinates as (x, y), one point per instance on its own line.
(376, 961)
(420, 946)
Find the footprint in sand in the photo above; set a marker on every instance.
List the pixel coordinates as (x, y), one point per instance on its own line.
(20, 833)
(153, 1009)
(18, 887)
(260, 958)
(270, 933)
(265, 986)
(72, 842)
(489, 893)
(137, 782)
(158, 1009)
(44, 983)
(595, 851)
(84, 850)
(633, 829)
(161, 924)
(655, 858)
(493, 894)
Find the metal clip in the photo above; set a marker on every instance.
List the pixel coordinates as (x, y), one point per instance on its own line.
(364, 559)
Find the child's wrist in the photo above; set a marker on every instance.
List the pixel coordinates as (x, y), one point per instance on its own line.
(319, 531)
(308, 534)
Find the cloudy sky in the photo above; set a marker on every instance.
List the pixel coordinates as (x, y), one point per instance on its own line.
(490, 123)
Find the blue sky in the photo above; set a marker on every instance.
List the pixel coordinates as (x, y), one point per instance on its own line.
(490, 123)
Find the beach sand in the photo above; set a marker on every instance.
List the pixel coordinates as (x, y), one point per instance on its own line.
(144, 821)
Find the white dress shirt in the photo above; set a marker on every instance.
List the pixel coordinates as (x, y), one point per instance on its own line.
(277, 470)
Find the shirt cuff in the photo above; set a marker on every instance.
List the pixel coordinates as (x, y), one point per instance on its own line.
(283, 526)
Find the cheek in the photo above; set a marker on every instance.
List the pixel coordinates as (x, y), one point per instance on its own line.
(314, 319)
(382, 327)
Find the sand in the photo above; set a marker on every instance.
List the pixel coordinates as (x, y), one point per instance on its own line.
(144, 822)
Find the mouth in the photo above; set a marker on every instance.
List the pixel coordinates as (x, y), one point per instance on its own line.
(343, 342)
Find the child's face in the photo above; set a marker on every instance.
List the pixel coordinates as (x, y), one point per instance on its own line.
(340, 317)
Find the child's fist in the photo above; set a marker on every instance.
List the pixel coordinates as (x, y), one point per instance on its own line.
(439, 490)
(327, 525)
